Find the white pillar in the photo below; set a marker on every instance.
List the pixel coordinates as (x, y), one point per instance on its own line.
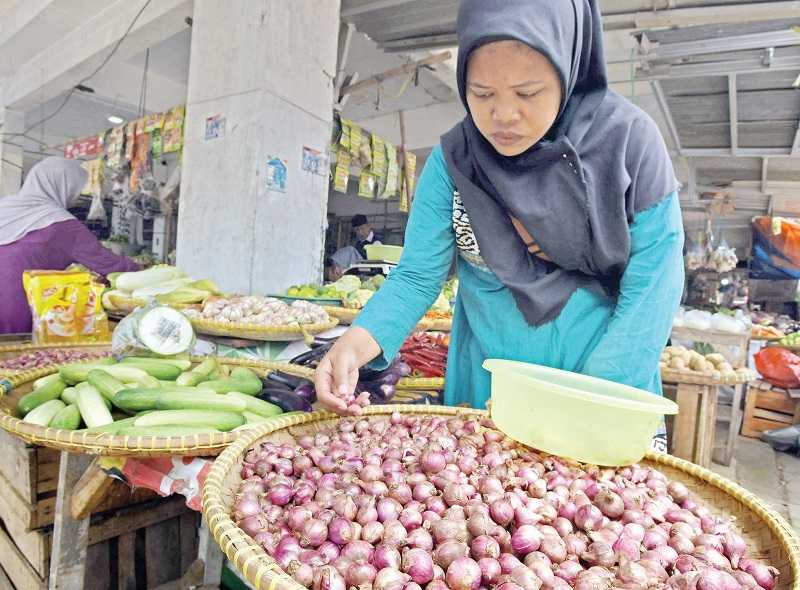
(10, 155)
(267, 68)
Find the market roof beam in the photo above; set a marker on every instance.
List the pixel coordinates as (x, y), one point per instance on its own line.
(733, 109)
(718, 68)
(664, 106)
(68, 59)
(782, 38)
(685, 17)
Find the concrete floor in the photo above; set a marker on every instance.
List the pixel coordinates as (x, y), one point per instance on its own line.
(773, 476)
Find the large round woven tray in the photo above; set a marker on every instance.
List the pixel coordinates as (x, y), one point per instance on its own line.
(13, 387)
(267, 334)
(693, 378)
(421, 384)
(15, 350)
(346, 316)
(768, 535)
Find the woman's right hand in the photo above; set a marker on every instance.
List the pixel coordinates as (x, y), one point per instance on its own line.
(336, 377)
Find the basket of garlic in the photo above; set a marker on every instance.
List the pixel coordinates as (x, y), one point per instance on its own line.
(256, 317)
(680, 365)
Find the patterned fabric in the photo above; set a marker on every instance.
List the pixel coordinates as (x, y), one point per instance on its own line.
(466, 242)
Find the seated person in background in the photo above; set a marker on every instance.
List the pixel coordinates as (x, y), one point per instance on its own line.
(364, 234)
(341, 260)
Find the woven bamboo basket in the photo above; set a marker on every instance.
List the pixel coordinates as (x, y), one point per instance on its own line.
(692, 378)
(13, 351)
(14, 387)
(421, 384)
(264, 333)
(347, 316)
(768, 535)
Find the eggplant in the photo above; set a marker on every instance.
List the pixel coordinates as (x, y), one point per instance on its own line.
(288, 401)
(312, 355)
(307, 391)
(269, 383)
(286, 379)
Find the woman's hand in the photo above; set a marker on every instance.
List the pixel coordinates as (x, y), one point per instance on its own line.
(337, 375)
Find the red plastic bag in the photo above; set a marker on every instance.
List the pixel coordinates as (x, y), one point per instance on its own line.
(779, 367)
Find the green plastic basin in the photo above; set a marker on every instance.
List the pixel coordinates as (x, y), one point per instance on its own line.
(572, 415)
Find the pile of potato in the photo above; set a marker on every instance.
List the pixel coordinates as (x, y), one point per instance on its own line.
(714, 366)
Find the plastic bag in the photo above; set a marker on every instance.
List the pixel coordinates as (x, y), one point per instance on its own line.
(65, 307)
(697, 320)
(779, 367)
(96, 211)
(725, 323)
(153, 328)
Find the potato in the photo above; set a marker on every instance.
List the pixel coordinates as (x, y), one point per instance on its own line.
(715, 358)
(678, 349)
(677, 363)
(662, 365)
(698, 363)
(725, 368)
(729, 376)
(686, 355)
(716, 375)
(665, 358)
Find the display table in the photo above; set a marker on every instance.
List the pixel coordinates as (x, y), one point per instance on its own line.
(691, 432)
(735, 348)
(768, 408)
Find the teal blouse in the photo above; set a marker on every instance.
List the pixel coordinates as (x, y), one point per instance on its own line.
(619, 339)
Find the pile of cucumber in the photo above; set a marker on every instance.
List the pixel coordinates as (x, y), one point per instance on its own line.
(141, 396)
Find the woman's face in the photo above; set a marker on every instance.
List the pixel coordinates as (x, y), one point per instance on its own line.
(514, 95)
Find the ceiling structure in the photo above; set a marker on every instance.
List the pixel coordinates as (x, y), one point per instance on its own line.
(723, 93)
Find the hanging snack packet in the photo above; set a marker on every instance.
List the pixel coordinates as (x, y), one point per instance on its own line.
(344, 140)
(392, 174)
(65, 307)
(378, 157)
(341, 176)
(366, 185)
(356, 138)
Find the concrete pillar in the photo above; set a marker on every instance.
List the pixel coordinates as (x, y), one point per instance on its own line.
(10, 155)
(266, 67)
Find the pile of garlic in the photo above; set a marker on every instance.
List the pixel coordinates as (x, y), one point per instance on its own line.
(258, 310)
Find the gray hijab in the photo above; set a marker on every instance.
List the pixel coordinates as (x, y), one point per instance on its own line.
(50, 187)
(577, 190)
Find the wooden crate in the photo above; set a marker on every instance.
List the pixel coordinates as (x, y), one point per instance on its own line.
(29, 477)
(768, 408)
(691, 431)
(137, 547)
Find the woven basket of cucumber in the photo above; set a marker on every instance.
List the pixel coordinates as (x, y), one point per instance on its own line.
(139, 406)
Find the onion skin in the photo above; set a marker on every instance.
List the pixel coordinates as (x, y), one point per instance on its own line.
(463, 574)
(418, 564)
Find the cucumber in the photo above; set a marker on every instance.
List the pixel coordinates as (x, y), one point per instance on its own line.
(67, 418)
(220, 420)
(200, 400)
(114, 427)
(166, 430)
(92, 406)
(80, 386)
(42, 381)
(77, 372)
(136, 400)
(246, 387)
(69, 396)
(200, 373)
(44, 413)
(50, 391)
(254, 405)
(182, 364)
(104, 383)
(245, 374)
(127, 373)
(154, 369)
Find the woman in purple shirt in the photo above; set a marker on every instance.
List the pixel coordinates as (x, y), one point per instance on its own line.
(38, 233)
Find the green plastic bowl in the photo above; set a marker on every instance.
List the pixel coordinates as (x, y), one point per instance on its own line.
(574, 416)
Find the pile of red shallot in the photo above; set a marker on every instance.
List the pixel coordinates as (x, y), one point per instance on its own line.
(47, 357)
(442, 503)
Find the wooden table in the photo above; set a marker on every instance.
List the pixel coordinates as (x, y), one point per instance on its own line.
(740, 343)
(81, 486)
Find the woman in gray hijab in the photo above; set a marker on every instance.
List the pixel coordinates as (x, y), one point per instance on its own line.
(559, 198)
(38, 233)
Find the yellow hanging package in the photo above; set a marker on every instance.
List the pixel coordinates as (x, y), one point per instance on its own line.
(65, 307)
